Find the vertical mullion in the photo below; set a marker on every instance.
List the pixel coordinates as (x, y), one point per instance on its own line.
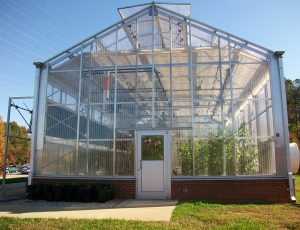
(78, 113)
(232, 107)
(268, 129)
(267, 111)
(153, 79)
(136, 73)
(171, 72)
(249, 119)
(191, 78)
(222, 108)
(88, 107)
(258, 132)
(115, 103)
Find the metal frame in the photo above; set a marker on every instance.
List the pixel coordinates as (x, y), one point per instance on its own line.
(11, 104)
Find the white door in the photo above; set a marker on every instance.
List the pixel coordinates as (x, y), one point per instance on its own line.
(153, 165)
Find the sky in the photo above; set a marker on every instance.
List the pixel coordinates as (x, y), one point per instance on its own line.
(35, 30)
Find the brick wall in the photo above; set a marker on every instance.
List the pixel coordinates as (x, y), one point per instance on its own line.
(237, 191)
(125, 188)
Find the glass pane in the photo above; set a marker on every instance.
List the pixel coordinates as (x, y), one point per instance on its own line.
(152, 148)
(125, 157)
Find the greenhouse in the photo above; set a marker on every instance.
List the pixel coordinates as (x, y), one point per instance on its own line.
(163, 106)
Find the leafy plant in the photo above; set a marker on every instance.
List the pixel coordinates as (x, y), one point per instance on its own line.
(209, 159)
(247, 154)
(185, 150)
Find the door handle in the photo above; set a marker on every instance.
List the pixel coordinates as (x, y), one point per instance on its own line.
(141, 167)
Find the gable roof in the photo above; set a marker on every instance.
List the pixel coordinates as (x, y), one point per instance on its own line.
(136, 11)
(181, 8)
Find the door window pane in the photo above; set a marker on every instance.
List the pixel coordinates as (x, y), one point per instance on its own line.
(152, 147)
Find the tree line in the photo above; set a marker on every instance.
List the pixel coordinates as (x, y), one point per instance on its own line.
(18, 144)
(293, 108)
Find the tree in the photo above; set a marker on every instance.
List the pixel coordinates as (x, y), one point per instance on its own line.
(18, 151)
(2, 140)
(293, 108)
(19, 145)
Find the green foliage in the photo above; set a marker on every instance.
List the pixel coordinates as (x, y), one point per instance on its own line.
(18, 145)
(297, 187)
(293, 108)
(185, 150)
(247, 154)
(209, 154)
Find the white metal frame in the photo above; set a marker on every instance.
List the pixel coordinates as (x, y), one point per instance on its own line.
(167, 165)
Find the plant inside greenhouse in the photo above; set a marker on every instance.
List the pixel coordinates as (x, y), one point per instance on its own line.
(208, 154)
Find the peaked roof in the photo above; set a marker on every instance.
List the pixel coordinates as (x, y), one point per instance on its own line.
(181, 8)
(180, 12)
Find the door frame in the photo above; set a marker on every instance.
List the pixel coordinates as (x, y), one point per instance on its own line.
(167, 165)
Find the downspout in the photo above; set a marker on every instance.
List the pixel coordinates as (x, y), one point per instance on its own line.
(38, 66)
(278, 55)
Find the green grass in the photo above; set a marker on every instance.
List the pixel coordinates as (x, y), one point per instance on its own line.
(14, 180)
(187, 215)
(297, 187)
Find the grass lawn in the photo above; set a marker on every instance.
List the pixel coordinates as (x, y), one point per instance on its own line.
(187, 215)
(297, 187)
(14, 180)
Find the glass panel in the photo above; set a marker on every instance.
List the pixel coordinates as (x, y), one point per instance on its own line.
(163, 114)
(209, 157)
(181, 83)
(125, 157)
(153, 148)
(58, 157)
(182, 114)
(100, 158)
(182, 161)
(127, 11)
(144, 115)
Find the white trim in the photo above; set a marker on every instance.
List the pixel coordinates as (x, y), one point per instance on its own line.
(166, 194)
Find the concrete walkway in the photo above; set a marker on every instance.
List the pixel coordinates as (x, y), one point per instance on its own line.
(146, 210)
(12, 191)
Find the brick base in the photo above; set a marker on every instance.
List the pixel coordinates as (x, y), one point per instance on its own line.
(232, 191)
(125, 188)
(226, 191)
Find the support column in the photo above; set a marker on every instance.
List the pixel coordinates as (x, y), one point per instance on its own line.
(280, 119)
(33, 158)
(78, 115)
